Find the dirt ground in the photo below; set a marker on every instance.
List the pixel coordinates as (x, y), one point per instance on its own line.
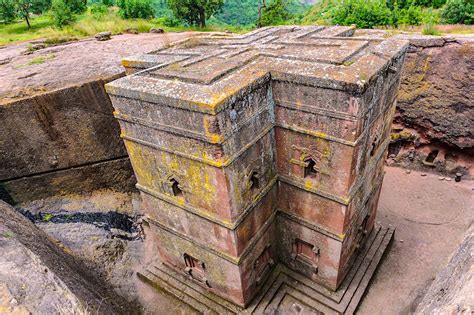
(431, 217)
(71, 63)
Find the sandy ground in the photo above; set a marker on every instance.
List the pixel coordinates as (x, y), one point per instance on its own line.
(72, 63)
(431, 217)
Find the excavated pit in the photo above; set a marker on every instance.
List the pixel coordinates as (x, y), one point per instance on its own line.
(83, 201)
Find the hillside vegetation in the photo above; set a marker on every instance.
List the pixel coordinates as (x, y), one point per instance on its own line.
(59, 20)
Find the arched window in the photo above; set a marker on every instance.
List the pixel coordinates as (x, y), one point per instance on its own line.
(374, 147)
(254, 181)
(177, 191)
(310, 169)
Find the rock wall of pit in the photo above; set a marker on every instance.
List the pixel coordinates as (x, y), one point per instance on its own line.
(434, 125)
(63, 141)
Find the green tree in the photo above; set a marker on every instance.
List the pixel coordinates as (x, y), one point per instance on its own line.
(363, 13)
(195, 12)
(411, 15)
(235, 12)
(135, 9)
(274, 13)
(61, 13)
(76, 6)
(40, 6)
(7, 11)
(23, 9)
(458, 11)
(98, 10)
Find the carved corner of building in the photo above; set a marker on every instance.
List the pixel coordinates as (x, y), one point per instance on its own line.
(260, 162)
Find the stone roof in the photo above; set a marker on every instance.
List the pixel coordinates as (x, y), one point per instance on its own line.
(202, 73)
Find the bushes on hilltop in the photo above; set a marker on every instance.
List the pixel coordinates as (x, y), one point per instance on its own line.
(275, 13)
(61, 13)
(458, 11)
(7, 11)
(135, 9)
(372, 13)
(364, 13)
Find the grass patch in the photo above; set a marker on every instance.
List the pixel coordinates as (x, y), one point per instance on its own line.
(86, 25)
(36, 61)
(7, 234)
(47, 217)
(430, 29)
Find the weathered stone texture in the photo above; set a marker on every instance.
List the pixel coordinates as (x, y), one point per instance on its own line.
(56, 119)
(46, 277)
(452, 290)
(113, 174)
(58, 130)
(435, 110)
(257, 149)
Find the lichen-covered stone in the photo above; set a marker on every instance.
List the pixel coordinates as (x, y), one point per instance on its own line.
(435, 106)
(254, 149)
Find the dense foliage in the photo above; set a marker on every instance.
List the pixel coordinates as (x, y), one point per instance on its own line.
(372, 13)
(275, 13)
(134, 9)
(7, 11)
(98, 10)
(244, 12)
(364, 13)
(458, 11)
(76, 6)
(61, 13)
(195, 12)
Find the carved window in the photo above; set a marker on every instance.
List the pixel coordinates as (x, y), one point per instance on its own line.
(262, 265)
(194, 263)
(311, 169)
(254, 181)
(374, 147)
(306, 253)
(195, 269)
(363, 226)
(176, 188)
(362, 232)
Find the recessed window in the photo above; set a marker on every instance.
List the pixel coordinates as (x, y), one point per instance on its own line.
(432, 156)
(374, 147)
(194, 263)
(304, 250)
(254, 181)
(177, 191)
(310, 169)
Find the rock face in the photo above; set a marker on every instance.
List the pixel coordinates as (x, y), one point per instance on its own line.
(433, 126)
(43, 278)
(57, 131)
(260, 149)
(452, 290)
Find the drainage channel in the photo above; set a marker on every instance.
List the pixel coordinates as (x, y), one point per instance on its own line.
(120, 225)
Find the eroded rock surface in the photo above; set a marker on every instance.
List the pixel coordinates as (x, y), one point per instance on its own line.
(44, 278)
(72, 63)
(435, 110)
(452, 291)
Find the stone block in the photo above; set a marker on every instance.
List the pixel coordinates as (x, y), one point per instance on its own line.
(258, 149)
